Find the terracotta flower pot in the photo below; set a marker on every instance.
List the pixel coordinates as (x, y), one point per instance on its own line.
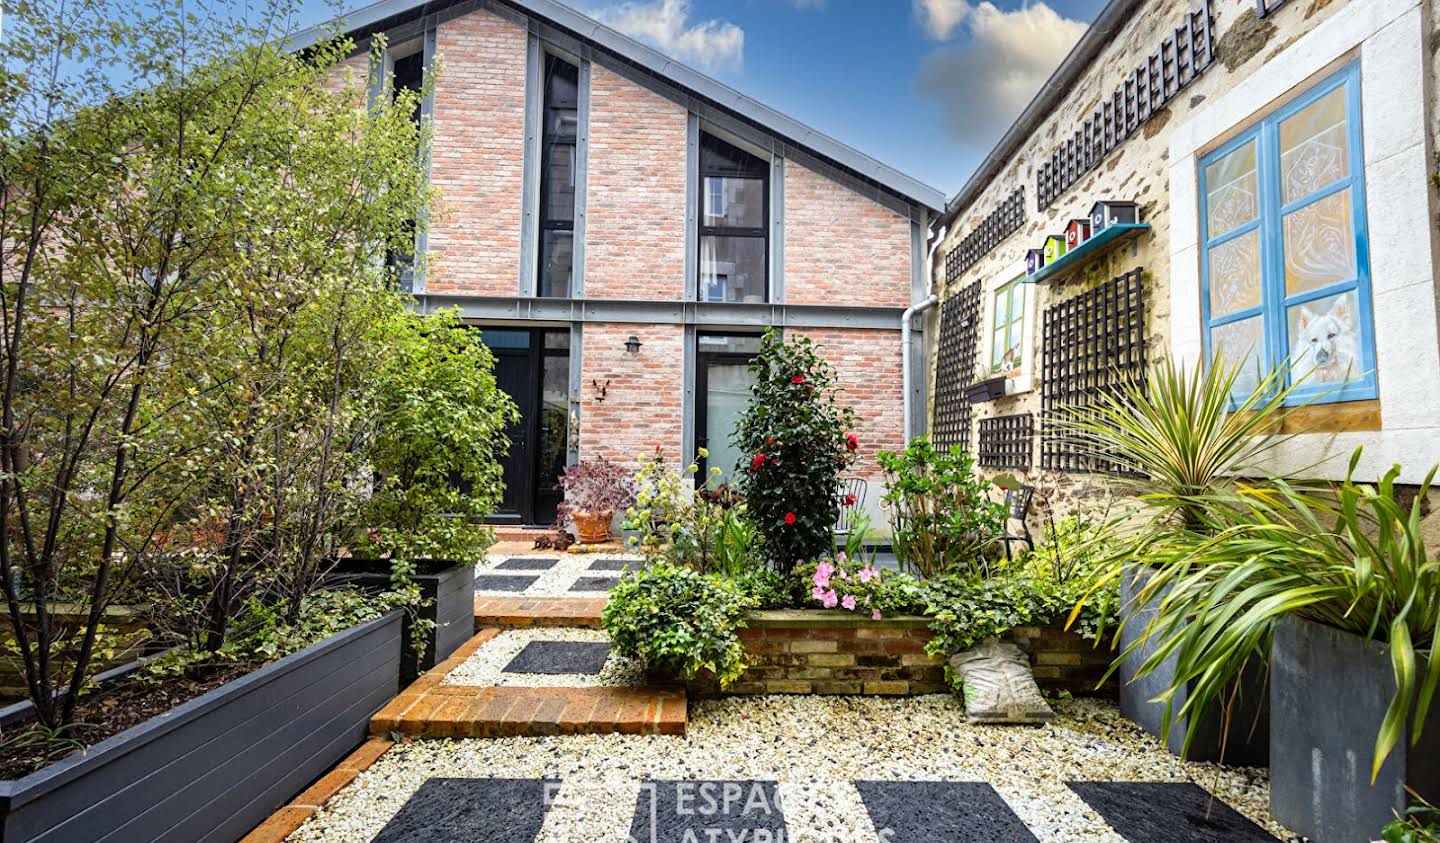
(593, 527)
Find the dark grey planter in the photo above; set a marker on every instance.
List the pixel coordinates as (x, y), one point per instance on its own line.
(448, 589)
(989, 389)
(217, 766)
(1247, 742)
(1328, 691)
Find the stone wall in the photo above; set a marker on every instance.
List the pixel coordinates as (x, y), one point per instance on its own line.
(815, 651)
(1137, 170)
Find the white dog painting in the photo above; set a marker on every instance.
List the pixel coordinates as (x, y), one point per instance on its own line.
(1327, 345)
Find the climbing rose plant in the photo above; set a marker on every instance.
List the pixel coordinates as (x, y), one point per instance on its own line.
(797, 439)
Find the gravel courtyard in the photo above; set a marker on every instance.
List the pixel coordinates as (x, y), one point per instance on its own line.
(806, 769)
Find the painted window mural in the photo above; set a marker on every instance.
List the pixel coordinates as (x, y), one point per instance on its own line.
(1006, 354)
(1284, 270)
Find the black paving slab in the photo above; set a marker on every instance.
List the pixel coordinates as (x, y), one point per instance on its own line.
(1168, 812)
(681, 811)
(469, 810)
(503, 582)
(526, 563)
(613, 564)
(941, 812)
(594, 583)
(586, 657)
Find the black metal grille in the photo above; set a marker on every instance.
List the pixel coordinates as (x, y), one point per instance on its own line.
(1265, 7)
(955, 366)
(1005, 442)
(1002, 222)
(1181, 57)
(1093, 344)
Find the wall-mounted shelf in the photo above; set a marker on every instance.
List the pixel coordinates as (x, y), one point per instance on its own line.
(1112, 236)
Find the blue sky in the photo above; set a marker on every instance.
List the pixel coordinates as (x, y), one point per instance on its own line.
(926, 86)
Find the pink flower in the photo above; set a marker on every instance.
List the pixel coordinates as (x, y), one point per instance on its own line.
(822, 574)
(841, 557)
(875, 615)
(868, 573)
(849, 602)
(829, 599)
(818, 592)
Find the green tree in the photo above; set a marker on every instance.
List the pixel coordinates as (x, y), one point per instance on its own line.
(797, 439)
(440, 436)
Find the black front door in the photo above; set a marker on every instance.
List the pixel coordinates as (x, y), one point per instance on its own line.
(533, 367)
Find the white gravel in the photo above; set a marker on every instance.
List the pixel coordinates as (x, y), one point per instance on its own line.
(487, 666)
(814, 747)
(556, 581)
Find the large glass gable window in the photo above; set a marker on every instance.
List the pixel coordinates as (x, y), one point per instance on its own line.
(557, 176)
(734, 205)
(1285, 271)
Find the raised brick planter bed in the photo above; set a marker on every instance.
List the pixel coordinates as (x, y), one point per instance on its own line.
(818, 651)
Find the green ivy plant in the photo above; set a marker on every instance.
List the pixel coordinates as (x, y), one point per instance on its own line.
(678, 621)
(797, 439)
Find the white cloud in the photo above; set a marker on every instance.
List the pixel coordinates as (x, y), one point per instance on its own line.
(711, 45)
(941, 17)
(983, 84)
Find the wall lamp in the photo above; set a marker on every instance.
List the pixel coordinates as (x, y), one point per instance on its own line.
(633, 344)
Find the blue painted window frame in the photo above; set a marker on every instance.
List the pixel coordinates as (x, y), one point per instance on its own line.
(1274, 301)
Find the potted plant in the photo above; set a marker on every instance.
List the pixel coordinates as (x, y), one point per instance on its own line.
(1341, 581)
(594, 489)
(1182, 437)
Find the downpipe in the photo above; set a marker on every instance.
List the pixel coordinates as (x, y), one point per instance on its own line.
(905, 338)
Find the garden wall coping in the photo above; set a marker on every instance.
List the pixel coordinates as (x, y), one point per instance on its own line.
(829, 619)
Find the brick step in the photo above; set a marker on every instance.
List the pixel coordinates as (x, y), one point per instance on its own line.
(511, 612)
(476, 711)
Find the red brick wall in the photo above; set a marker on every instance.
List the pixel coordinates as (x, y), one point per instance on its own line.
(635, 229)
(478, 155)
(352, 76)
(867, 363)
(644, 403)
(840, 247)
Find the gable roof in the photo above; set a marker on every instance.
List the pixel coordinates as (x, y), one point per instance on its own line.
(386, 14)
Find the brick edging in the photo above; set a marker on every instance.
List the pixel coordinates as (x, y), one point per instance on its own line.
(285, 821)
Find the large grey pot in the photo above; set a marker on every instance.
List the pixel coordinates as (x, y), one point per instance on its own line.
(1247, 742)
(1328, 693)
(448, 591)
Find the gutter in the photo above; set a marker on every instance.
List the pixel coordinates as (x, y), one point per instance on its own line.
(905, 339)
(1102, 32)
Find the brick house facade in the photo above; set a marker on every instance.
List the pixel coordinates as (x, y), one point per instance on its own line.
(596, 195)
(1280, 156)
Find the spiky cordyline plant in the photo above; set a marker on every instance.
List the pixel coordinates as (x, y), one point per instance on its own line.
(1349, 557)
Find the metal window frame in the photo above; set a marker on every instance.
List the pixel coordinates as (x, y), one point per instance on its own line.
(761, 232)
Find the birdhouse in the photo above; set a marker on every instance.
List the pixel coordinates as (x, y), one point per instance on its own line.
(1077, 232)
(1034, 259)
(1054, 248)
(1105, 214)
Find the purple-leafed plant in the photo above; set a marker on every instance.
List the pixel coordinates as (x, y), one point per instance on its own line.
(597, 485)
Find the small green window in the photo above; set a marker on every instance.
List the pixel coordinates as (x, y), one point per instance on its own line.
(1006, 354)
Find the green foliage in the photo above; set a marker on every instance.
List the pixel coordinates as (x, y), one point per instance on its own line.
(1351, 557)
(440, 435)
(796, 438)
(945, 519)
(763, 588)
(1420, 824)
(678, 621)
(685, 527)
(966, 611)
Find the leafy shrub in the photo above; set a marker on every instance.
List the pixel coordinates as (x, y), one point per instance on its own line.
(764, 588)
(675, 522)
(944, 517)
(440, 435)
(678, 621)
(797, 439)
(966, 611)
(1420, 824)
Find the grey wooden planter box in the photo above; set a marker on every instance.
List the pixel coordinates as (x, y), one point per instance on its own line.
(1328, 691)
(448, 589)
(217, 766)
(1248, 741)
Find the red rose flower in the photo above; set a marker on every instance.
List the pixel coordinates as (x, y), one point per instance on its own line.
(798, 379)
(657, 449)
(757, 462)
(770, 440)
(852, 441)
(849, 500)
(789, 518)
